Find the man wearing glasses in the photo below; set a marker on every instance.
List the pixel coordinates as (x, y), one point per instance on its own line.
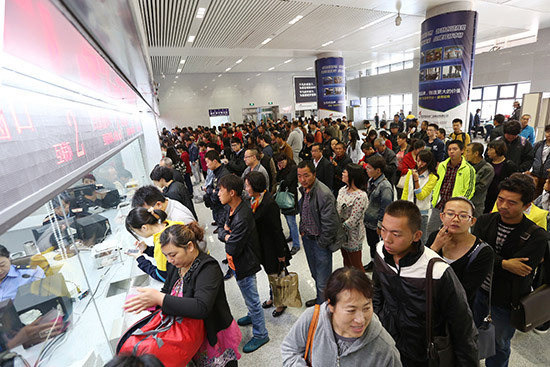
(456, 178)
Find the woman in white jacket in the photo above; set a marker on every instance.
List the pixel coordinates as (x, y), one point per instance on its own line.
(354, 148)
(348, 333)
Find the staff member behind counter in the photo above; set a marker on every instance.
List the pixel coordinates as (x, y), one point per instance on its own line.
(12, 276)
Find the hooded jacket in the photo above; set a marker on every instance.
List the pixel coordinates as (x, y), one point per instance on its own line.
(374, 348)
(400, 303)
(465, 181)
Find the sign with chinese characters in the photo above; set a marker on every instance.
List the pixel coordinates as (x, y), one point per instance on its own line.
(331, 87)
(218, 112)
(305, 93)
(446, 67)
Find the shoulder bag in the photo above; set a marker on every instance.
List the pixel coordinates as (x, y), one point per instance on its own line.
(311, 334)
(440, 348)
(285, 199)
(531, 310)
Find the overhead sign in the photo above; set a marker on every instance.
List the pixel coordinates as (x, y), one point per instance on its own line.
(218, 112)
(446, 67)
(305, 93)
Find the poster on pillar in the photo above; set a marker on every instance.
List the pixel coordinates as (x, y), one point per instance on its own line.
(446, 67)
(305, 96)
(331, 87)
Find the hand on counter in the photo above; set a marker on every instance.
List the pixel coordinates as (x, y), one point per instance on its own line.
(146, 298)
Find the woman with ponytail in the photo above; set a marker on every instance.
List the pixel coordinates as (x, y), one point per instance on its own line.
(194, 288)
(146, 223)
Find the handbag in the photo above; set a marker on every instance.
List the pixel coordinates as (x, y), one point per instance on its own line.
(440, 348)
(285, 289)
(401, 182)
(532, 309)
(284, 199)
(311, 333)
(174, 340)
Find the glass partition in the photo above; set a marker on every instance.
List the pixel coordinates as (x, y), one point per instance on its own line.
(64, 272)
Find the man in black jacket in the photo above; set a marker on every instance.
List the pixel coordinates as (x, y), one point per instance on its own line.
(399, 298)
(236, 164)
(242, 246)
(390, 158)
(323, 168)
(519, 246)
(340, 162)
(520, 149)
(163, 178)
(211, 198)
(497, 131)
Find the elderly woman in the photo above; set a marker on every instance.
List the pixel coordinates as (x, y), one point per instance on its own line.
(347, 333)
(267, 215)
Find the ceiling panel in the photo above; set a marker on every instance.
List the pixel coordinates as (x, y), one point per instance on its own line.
(165, 64)
(167, 22)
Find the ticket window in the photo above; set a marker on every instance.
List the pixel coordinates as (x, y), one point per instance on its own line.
(64, 273)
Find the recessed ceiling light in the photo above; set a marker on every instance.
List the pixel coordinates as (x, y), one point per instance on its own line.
(379, 45)
(179, 70)
(238, 61)
(201, 12)
(177, 76)
(266, 41)
(376, 21)
(247, 78)
(287, 61)
(175, 81)
(271, 68)
(219, 75)
(311, 67)
(327, 43)
(213, 80)
(227, 69)
(297, 18)
(258, 74)
(191, 39)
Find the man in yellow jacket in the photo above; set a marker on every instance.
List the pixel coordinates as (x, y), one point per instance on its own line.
(456, 178)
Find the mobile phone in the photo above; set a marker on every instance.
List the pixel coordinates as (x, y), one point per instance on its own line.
(132, 251)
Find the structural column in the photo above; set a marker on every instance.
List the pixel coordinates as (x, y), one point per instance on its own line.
(446, 63)
(331, 85)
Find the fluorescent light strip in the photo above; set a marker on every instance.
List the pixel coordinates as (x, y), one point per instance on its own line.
(379, 45)
(227, 69)
(287, 61)
(327, 43)
(311, 67)
(297, 18)
(407, 36)
(364, 62)
(182, 61)
(377, 21)
(266, 41)
(179, 70)
(191, 39)
(239, 61)
(201, 12)
(271, 68)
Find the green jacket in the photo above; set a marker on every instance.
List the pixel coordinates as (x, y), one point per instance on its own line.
(465, 181)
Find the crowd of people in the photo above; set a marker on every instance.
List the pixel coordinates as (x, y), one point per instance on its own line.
(412, 194)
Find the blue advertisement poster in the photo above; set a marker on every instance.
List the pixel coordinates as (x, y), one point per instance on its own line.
(331, 87)
(446, 66)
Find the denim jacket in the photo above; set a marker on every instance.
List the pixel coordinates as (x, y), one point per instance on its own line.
(380, 193)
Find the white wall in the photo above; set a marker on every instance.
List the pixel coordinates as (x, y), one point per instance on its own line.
(189, 102)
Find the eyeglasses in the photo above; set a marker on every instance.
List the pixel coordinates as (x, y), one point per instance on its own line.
(461, 216)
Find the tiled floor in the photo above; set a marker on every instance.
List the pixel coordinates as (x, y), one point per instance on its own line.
(528, 349)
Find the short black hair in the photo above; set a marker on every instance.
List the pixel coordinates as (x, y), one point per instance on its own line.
(477, 147)
(235, 140)
(366, 146)
(317, 145)
(310, 138)
(232, 182)
(4, 252)
(377, 162)
(307, 163)
(403, 208)
(512, 127)
(457, 142)
(520, 184)
(442, 131)
(212, 156)
(457, 120)
(347, 279)
(499, 118)
(434, 125)
(147, 195)
(256, 180)
(161, 172)
(265, 138)
(546, 128)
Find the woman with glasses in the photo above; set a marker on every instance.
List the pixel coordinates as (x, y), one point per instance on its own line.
(470, 258)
